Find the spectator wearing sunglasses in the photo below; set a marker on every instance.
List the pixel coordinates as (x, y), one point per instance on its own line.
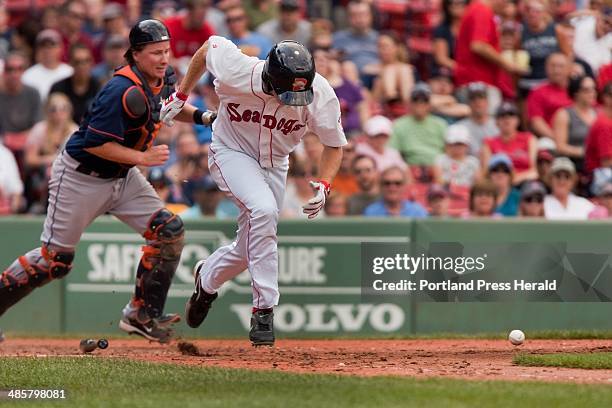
(532, 199)
(250, 43)
(562, 203)
(392, 204)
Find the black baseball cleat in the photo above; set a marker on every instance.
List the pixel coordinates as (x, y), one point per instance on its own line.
(150, 330)
(199, 304)
(262, 328)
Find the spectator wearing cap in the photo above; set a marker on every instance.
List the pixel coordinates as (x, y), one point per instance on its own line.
(378, 129)
(164, 188)
(456, 167)
(80, 87)
(289, 25)
(359, 43)
(445, 34)
(604, 203)
(260, 11)
(11, 186)
(20, 104)
(521, 147)
(562, 204)
(419, 137)
(483, 200)
(366, 174)
(189, 30)
(250, 43)
(532, 199)
(207, 200)
(571, 124)
(392, 204)
(478, 47)
(546, 154)
(50, 68)
(544, 100)
(395, 80)
(598, 151)
(438, 201)
(72, 18)
(115, 47)
(114, 23)
(541, 37)
(501, 173)
(480, 123)
(353, 105)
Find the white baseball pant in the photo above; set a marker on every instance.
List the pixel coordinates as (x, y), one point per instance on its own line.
(258, 192)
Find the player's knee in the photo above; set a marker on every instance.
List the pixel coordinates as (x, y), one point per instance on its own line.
(167, 232)
(60, 262)
(266, 213)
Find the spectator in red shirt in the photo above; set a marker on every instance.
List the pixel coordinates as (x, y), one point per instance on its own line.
(72, 22)
(478, 45)
(188, 31)
(544, 100)
(605, 76)
(598, 152)
(521, 147)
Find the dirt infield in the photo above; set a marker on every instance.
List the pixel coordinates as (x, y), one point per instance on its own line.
(466, 359)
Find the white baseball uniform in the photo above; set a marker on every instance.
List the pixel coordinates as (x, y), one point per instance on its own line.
(249, 156)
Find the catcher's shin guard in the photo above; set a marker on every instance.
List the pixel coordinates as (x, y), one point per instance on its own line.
(159, 261)
(34, 269)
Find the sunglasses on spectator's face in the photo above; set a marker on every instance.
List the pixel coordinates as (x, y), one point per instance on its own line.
(388, 183)
(13, 68)
(358, 170)
(500, 169)
(534, 199)
(234, 19)
(562, 175)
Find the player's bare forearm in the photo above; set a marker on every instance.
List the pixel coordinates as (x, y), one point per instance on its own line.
(330, 163)
(197, 67)
(115, 152)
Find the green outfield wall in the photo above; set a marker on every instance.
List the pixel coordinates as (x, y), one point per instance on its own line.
(319, 276)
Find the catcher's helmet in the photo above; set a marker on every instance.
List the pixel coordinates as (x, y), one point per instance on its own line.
(148, 31)
(289, 71)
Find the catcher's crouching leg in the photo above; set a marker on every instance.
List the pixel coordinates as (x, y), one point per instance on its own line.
(159, 261)
(36, 268)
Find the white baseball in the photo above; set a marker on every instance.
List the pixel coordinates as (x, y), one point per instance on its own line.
(516, 337)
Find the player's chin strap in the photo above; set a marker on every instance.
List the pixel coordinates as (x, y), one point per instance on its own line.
(34, 269)
(159, 261)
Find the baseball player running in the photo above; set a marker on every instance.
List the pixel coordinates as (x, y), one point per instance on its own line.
(95, 174)
(266, 107)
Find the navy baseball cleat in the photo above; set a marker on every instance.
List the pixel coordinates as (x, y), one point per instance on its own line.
(262, 328)
(150, 330)
(199, 304)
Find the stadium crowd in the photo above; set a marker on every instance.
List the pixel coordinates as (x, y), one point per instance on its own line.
(452, 108)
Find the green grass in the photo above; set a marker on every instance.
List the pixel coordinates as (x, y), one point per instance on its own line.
(570, 360)
(96, 382)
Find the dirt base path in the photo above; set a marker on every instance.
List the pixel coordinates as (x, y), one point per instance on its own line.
(466, 359)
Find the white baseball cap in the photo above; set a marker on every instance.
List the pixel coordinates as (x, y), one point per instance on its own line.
(457, 134)
(377, 125)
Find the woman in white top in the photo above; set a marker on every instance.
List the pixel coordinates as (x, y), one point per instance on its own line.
(562, 204)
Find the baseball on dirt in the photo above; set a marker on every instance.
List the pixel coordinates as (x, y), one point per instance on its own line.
(516, 337)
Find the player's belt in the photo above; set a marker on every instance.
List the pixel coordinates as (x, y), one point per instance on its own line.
(87, 171)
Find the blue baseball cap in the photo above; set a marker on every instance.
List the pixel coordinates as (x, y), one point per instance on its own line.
(500, 159)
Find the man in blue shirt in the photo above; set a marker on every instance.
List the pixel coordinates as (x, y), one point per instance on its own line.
(392, 187)
(359, 43)
(252, 44)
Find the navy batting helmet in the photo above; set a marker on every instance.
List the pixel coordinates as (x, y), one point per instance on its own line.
(289, 72)
(148, 31)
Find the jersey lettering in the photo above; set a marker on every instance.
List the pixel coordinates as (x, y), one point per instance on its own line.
(283, 125)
